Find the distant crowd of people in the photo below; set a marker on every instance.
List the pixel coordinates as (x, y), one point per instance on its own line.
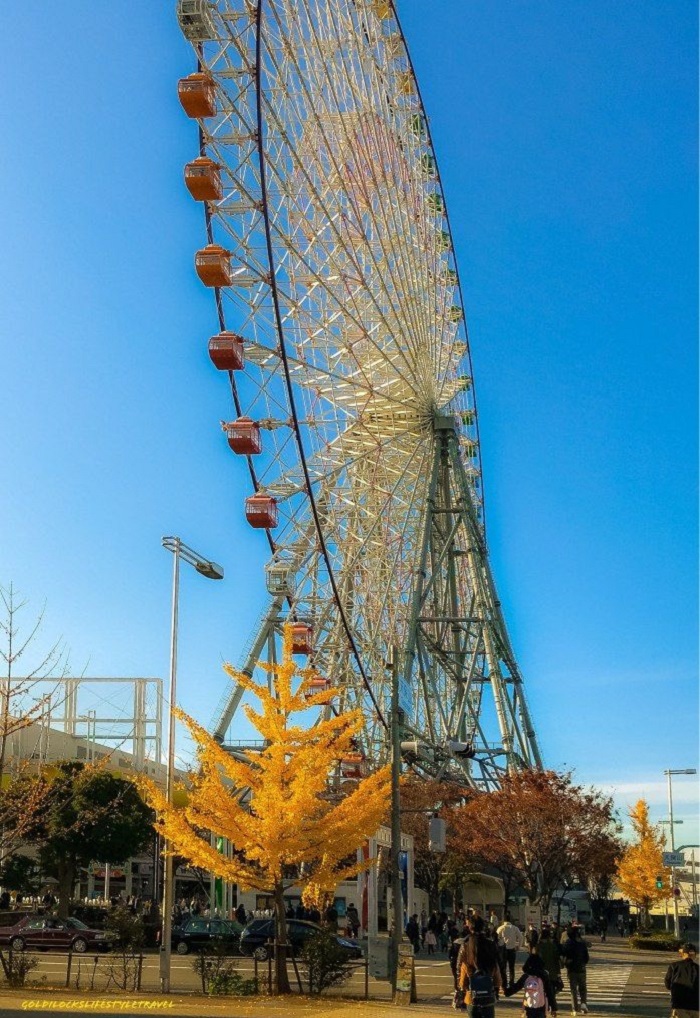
(482, 954)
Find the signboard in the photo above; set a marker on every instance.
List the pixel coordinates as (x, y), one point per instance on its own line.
(673, 859)
(405, 697)
(437, 834)
(406, 976)
(378, 959)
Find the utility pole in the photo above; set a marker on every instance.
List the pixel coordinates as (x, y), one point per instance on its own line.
(397, 933)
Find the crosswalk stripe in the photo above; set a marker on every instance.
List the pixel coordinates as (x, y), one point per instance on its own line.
(605, 983)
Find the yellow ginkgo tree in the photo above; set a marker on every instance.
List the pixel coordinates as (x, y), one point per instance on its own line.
(287, 818)
(641, 865)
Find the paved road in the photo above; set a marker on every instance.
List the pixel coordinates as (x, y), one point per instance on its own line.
(621, 983)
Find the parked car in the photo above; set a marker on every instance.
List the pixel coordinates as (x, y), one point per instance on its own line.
(50, 933)
(255, 937)
(196, 933)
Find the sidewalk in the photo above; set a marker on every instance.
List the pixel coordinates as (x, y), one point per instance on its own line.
(639, 1002)
(208, 1007)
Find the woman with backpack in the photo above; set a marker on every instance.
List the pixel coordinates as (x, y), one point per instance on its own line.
(478, 973)
(538, 996)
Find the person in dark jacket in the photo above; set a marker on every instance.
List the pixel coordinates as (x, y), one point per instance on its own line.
(454, 948)
(682, 980)
(353, 917)
(534, 966)
(575, 957)
(548, 950)
(413, 932)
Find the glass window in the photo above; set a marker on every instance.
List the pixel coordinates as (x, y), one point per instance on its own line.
(197, 926)
(35, 924)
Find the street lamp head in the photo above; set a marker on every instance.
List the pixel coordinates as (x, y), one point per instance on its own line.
(210, 569)
(685, 770)
(204, 566)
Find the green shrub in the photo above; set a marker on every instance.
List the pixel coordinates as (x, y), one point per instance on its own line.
(17, 965)
(217, 971)
(658, 940)
(326, 962)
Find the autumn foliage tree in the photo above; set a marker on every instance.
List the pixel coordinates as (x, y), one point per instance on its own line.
(642, 863)
(290, 818)
(539, 830)
(422, 798)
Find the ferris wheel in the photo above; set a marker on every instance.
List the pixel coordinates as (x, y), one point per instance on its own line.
(342, 332)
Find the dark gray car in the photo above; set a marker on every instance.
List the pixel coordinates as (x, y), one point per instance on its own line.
(257, 934)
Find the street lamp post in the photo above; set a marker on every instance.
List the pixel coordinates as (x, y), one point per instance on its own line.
(213, 572)
(669, 773)
(667, 823)
(396, 895)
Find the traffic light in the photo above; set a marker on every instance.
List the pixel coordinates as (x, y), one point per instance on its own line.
(660, 883)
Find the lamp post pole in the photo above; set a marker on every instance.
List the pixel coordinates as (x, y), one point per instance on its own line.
(669, 773)
(396, 896)
(213, 572)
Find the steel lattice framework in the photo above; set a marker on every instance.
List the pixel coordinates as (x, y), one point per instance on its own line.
(357, 368)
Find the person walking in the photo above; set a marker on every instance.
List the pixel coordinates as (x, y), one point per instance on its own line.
(603, 926)
(478, 954)
(682, 981)
(353, 917)
(512, 939)
(532, 936)
(413, 932)
(539, 997)
(575, 955)
(453, 952)
(548, 950)
(478, 971)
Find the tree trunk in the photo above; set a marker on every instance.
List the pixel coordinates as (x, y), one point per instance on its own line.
(66, 881)
(281, 976)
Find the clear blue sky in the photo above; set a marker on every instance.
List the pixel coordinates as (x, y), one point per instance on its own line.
(566, 137)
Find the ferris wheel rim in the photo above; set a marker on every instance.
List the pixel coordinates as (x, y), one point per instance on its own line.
(407, 51)
(414, 302)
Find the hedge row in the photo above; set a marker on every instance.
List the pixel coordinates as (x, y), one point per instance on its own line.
(658, 941)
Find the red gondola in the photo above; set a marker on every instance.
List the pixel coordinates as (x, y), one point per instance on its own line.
(244, 436)
(261, 511)
(226, 351)
(316, 686)
(301, 638)
(352, 766)
(197, 94)
(213, 265)
(203, 179)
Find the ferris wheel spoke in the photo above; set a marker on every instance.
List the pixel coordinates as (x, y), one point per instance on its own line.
(330, 217)
(317, 86)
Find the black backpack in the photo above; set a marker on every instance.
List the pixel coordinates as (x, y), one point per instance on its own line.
(481, 997)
